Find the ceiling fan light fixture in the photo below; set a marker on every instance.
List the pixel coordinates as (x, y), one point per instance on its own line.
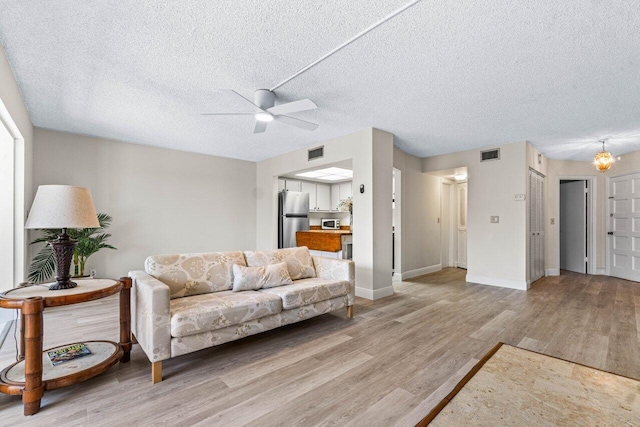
(603, 159)
(263, 117)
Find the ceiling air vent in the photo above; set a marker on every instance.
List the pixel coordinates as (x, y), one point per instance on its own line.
(316, 153)
(490, 155)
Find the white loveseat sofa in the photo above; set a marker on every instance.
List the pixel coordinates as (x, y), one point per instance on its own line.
(183, 303)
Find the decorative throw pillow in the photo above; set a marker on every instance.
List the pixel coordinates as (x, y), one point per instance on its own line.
(298, 259)
(253, 278)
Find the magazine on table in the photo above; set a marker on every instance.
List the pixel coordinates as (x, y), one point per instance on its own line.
(68, 353)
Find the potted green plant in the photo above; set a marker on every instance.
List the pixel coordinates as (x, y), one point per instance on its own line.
(90, 241)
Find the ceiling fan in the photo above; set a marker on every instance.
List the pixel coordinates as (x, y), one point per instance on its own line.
(268, 111)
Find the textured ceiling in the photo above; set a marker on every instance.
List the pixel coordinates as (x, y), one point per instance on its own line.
(443, 76)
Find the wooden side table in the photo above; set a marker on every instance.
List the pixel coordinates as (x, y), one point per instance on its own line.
(33, 373)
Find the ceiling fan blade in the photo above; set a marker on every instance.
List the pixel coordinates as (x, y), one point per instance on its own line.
(260, 127)
(246, 99)
(228, 114)
(293, 107)
(296, 122)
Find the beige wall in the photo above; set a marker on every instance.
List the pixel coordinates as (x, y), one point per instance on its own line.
(497, 253)
(558, 169)
(12, 100)
(371, 153)
(419, 228)
(162, 201)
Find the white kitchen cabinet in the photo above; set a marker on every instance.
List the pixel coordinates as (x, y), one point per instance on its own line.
(335, 197)
(310, 187)
(323, 197)
(281, 185)
(345, 190)
(292, 185)
(319, 195)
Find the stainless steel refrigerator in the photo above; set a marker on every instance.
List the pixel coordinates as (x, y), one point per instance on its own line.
(293, 215)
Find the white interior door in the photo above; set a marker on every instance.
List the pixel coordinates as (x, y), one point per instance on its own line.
(462, 225)
(624, 226)
(536, 226)
(573, 226)
(445, 226)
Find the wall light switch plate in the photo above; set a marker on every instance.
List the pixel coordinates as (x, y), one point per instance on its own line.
(553, 221)
(519, 197)
(495, 219)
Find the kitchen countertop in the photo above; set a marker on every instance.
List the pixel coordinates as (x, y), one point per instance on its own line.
(327, 231)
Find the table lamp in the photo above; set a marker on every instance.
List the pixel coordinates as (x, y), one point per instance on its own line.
(62, 206)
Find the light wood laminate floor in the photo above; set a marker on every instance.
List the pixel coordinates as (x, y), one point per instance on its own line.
(389, 365)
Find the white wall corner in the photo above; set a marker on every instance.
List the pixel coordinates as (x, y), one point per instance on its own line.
(521, 285)
(552, 272)
(375, 293)
(420, 271)
(397, 277)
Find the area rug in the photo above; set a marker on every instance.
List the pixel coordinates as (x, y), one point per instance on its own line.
(516, 387)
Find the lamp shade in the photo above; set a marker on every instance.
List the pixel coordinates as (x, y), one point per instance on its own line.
(62, 206)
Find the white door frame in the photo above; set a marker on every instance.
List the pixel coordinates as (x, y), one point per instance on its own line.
(591, 218)
(608, 244)
(19, 214)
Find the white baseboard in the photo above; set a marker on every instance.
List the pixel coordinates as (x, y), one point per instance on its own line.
(521, 285)
(552, 272)
(397, 277)
(374, 294)
(419, 272)
(601, 271)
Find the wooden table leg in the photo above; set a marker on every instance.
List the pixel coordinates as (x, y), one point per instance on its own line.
(32, 309)
(125, 319)
(21, 353)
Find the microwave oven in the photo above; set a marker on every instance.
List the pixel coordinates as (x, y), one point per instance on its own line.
(330, 224)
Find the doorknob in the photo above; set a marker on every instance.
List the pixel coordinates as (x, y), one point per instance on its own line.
(610, 233)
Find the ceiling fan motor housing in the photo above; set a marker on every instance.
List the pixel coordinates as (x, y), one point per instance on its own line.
(265, 98)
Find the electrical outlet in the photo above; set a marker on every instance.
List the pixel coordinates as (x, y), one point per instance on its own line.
(553, 221)
(519, 197)
(495, 219)
(93, 273)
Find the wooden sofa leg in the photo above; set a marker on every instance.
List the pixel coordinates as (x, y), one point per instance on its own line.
(133, 339)
(350, 311)
(156, 372)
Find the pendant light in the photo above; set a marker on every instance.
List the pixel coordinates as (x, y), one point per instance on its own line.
(603, 159)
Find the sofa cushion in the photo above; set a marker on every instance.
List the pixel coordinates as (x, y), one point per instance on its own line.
(253, 278)
(194, 274)
(308, 291)
(299, 261)
(208, 312)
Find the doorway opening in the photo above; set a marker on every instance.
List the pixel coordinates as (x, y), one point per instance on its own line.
(576, 218)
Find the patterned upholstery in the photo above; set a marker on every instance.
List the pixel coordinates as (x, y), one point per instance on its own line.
(253, 278)
(194, 274)
(308, 291)
(185, 345)
(329, 286)
(208, 312)
(337, 269)
(298, 261)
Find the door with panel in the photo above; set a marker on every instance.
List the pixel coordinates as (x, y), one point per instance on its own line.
(536, 226)
(624, 226)
(462, 225)
(323, 197)
(573, 226)
(310, 188)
